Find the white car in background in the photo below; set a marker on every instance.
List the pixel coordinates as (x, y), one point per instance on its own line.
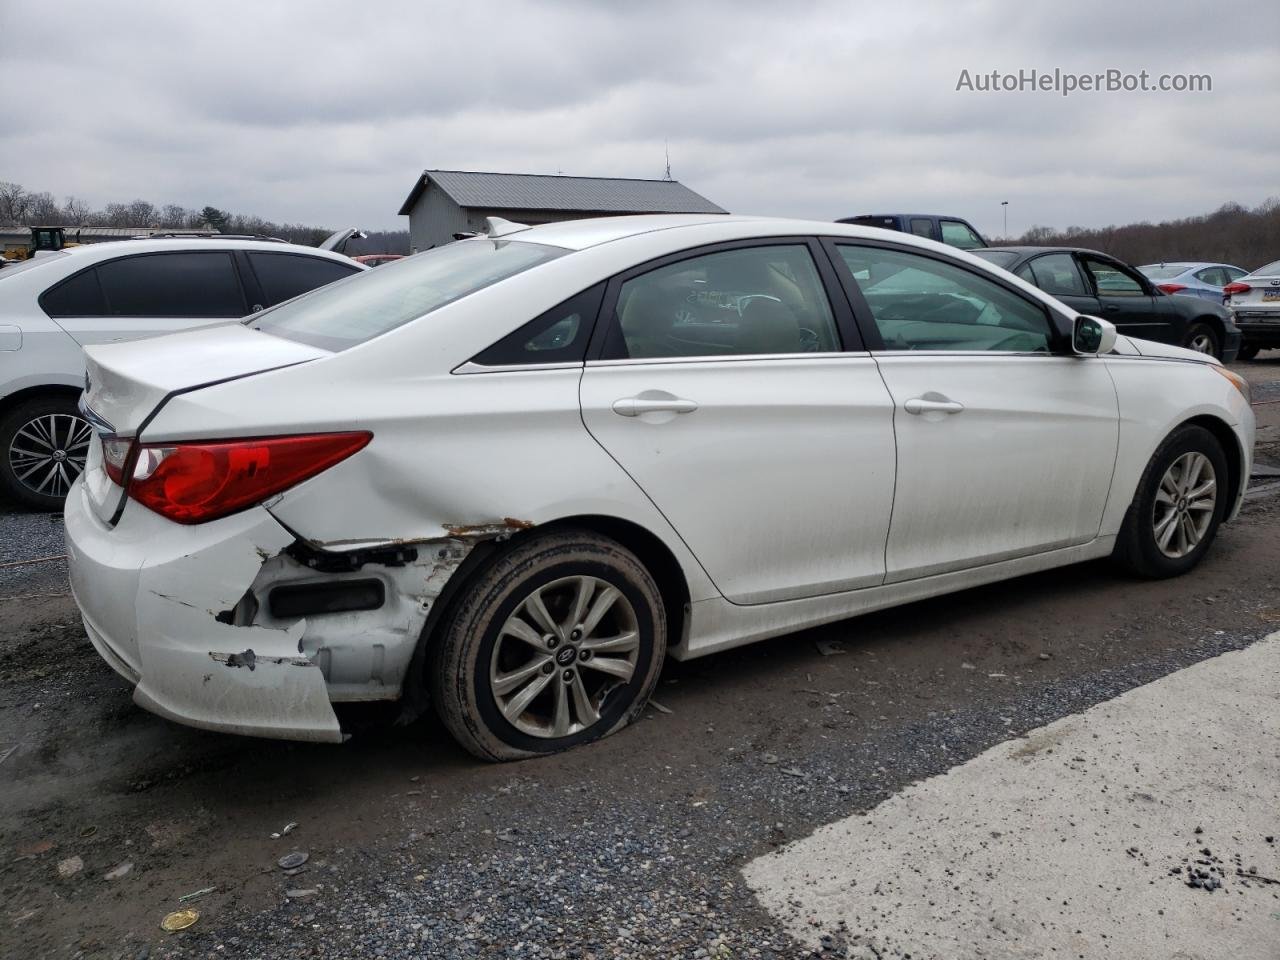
(507, 476)
(1255, 301)
(59, 302)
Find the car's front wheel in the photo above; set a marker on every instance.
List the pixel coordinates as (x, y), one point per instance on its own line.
(1202, 338)
(43, 445)
(556, 643)
(1179, 505)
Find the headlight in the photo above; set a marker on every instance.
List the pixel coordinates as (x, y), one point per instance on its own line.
(1237, 381)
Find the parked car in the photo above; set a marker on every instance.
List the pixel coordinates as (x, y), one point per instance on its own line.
(1203, 280)
(1094, 283)
(1254, 299)
(53, 305)
(507, 476)
(952, 231)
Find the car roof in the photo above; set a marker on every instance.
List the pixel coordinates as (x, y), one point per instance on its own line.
(110, 248)
(581, 234)
(1030, 251)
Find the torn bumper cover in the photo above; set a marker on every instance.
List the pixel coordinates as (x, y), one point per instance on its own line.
(151, 592)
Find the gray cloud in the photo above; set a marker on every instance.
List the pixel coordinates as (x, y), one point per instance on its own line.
(326, 111)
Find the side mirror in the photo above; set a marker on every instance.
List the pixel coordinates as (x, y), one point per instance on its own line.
(1093, 335)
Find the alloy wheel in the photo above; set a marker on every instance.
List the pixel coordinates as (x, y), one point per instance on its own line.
(1201, 343)
(49, 451)
(1184, 504)
(567, 646)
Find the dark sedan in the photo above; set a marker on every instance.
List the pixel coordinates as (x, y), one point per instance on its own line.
(1097, 284)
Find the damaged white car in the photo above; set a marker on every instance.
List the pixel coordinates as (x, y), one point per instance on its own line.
(508, 476)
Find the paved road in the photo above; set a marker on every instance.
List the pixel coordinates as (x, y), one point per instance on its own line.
(630, 848)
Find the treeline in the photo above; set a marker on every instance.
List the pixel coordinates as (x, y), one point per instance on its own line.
(28, 208)
(1231, 234)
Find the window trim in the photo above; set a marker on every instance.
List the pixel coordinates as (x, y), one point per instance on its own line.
(1059, 326)
(846, 327)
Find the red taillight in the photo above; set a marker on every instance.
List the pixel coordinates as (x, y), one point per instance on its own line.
(115, 457)
(1237, 287)
(195, 482)
(1171, 287)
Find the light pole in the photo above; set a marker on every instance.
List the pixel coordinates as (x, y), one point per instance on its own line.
(1004, 205)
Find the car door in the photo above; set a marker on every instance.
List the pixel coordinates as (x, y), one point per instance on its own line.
(723, 386)
(1126, 300)
(1005, 444)
(147, 294)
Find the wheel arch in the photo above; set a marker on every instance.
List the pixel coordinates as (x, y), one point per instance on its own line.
(1226, 436)
(38, 392)
(649, 548)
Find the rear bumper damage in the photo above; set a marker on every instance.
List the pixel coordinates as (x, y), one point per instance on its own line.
(189, 615)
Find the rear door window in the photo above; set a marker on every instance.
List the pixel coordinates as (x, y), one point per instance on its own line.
(558, 336)
(923, 228)
(179, 284)
(1058, 274)
(284, 276)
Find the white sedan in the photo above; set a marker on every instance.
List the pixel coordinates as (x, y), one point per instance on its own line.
(508, 476)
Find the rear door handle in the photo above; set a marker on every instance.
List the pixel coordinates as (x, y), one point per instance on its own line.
(634, 406)
(919, 405)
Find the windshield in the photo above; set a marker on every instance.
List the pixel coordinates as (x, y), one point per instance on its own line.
(12, 268)
(1164, 271)
(367, 305)
(1001, 258)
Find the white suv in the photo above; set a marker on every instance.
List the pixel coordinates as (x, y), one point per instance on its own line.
(55, 304)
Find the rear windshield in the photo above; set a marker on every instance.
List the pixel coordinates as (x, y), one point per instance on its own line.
(1164, 271)
(359, 308)
(1270, 270)
(12, 268)
(1001, 258)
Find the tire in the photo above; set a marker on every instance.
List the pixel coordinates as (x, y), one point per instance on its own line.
(1137, 549)
(1202, 338)
(482, 648)
(1248, 352)
(43, 445)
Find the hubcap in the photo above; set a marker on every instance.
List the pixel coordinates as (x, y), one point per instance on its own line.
(1201, 343)
(48, 453)
(596, 645)
(1184, 505)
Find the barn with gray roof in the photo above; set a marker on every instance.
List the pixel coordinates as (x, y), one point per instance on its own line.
(446, 202)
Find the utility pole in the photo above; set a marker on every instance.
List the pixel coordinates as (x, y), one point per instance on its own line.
(666, 149)
(1004, 205)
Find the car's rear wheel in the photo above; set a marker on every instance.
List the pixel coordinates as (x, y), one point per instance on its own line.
(1180, 503)
(1202, 338)
(43, 445)
(556, 643)
(1248, 352)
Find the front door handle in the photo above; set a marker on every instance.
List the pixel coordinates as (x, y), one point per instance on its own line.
(1112, 308)
(635, 406)
(919, 405)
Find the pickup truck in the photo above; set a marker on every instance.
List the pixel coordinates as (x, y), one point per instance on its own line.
(951, 230)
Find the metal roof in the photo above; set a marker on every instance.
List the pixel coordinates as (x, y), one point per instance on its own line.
(533, 191)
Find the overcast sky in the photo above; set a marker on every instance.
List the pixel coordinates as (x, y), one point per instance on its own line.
(325, 112)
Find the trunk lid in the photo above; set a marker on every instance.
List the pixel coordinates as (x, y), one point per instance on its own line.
(127, 382)
(1263, 292)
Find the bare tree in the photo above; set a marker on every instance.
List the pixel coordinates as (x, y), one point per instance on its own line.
(76, 211)
(13, 203)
